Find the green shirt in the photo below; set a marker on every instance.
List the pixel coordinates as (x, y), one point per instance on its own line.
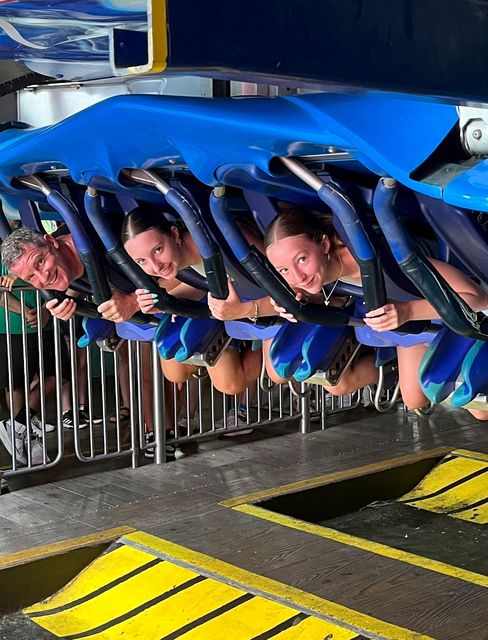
(15, 319)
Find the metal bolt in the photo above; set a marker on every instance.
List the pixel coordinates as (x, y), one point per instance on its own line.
(477, 134)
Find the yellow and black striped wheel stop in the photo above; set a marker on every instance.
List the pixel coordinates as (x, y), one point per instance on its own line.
(457, 487)
(150, 589)
(453, 496)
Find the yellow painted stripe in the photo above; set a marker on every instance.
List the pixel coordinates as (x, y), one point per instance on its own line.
(248, 620)
(475, 455)
(244, 621)
(157, 40)
(64, 546)
(337, 476)
(454, 470)
(157, 36)
(172, 614)
(117, 601)
(315, 629)
(102, 571)
(469, 491)
(366, 545)
(266, 587)
(478, 515)
(465, 494)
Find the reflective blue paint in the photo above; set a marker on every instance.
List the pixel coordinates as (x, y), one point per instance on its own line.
(95, 329)
(195, 336)
(474, 374)
(441, 364)
(389, 136)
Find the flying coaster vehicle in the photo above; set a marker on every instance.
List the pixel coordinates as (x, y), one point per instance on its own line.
(382, 127)
(220, 117)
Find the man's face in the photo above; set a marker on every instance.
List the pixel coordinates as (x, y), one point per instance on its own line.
(43, 267)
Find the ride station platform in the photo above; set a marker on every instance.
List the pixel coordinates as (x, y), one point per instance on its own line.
(246, 542)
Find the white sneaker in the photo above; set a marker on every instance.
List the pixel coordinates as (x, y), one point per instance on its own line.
(36, 426)
(231, 423)
(37, 452)
(172, 452)
(69, 422)
(19, 436)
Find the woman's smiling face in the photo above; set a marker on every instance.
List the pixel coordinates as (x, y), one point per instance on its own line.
(156, 253)
(301, 261)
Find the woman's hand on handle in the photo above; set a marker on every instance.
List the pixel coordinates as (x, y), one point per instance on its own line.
(389, 317)
(283, 313)
(146, 301)
(232, 308)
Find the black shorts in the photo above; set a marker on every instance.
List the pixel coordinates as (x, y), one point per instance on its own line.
(19, 360)
(79, 331)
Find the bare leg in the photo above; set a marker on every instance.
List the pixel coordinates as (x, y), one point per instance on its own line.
(35, 393)
(359, 374)
(18, 400)
(123, 355)
(270, 370)
(66, 396)
(147, 391)
(234, 371)
(169, 400)
(192, 389)
(81, 374)
(408, 370)
(478, 414)
(177, 371)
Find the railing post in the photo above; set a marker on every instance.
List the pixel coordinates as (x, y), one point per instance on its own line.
(158, 408)
(304, 408)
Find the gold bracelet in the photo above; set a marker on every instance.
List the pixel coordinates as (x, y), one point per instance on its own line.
(255, 317)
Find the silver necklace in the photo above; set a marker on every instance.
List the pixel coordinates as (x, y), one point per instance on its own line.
(327, 297)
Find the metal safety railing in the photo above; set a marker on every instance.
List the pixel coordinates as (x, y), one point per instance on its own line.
(84, 405)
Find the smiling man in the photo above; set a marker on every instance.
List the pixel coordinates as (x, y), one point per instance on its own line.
(48, 262)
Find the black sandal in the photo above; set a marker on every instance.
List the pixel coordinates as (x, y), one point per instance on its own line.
(124, 416)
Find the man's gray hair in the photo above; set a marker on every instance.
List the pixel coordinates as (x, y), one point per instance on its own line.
(14, 245)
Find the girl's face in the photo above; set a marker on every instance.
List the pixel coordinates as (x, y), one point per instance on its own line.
(157, 253)
(301, 262)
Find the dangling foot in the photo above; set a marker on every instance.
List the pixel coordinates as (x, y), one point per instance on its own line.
(425, 411)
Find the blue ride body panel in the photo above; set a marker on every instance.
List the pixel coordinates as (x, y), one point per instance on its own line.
(371, 338)
(367, 336)
(286, 348)
(180, 338)
(474, 373)
(95, 329)
(195, 335)
(131, 331)
(318, 347)
(470, 189)
(300, 349)
(167, 335)
(441, 364)
(209, 134)
(247, 331)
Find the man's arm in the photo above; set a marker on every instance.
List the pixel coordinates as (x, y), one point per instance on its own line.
(13, 304)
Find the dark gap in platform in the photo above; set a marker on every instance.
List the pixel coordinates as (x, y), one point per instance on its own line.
(27, 583)
(364, 506)
(339, 498)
